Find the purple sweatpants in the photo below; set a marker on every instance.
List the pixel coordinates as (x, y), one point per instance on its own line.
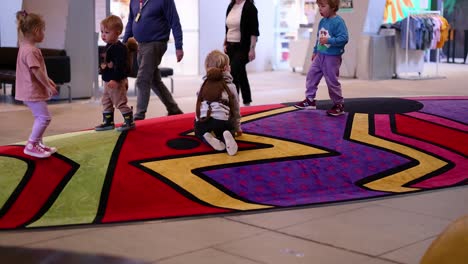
(329, 67)
(42, 119)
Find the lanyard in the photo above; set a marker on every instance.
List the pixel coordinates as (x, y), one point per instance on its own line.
(143, 4)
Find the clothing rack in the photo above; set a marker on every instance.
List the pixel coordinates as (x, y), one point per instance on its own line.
(413, 13)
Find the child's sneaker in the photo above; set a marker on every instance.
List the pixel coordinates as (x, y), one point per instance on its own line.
(35, 150)
(306, 104)
(52, 150)
(214, 142)
(231, 144)
(336, 110)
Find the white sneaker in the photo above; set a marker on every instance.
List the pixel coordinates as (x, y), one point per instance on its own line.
(52, 150)
(214, 142)
(35, 150)
(231, 144)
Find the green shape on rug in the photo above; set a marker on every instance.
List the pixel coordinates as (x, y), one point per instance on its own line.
(13, 171)
(79, 201)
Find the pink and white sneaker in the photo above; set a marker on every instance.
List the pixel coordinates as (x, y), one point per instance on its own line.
(52, 150)
(34, 149)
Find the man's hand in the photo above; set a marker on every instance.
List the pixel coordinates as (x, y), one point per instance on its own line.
(179, 54)
(313, 56)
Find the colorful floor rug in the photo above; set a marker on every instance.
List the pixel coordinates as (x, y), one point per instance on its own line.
(287, 157)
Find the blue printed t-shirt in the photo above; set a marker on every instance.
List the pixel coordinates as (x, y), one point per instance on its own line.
(335, 29)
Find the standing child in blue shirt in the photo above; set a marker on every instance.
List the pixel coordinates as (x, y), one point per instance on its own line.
(332, 36)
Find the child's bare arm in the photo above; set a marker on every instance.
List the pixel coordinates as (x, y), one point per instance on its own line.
(42, 77)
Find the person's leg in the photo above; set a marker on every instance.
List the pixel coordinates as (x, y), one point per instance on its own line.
(119, 97)
(331, 72)
(244, 85)
(107, 111)
(314, 76)
(230, 142)
(147, 64)
(158, 86)
(42, 120)
(238, 60)
(312, 80)
(235, 63)
(203, 132)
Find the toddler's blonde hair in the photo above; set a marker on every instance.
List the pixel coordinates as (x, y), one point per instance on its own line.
(113, 22)
(27, 23)
(216, 59)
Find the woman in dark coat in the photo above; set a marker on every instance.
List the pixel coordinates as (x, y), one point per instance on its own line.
(240, 41)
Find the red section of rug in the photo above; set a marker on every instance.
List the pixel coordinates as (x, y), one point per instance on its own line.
(443, 136)
(137, 194)
(34, 195)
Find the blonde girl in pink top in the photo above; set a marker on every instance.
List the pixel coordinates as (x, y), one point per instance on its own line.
(33, 86)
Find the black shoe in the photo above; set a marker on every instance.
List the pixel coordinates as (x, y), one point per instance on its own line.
(126, 127)
(128, 122)
(107, 122)
(178, 112)
(136, 118)
(104, 127)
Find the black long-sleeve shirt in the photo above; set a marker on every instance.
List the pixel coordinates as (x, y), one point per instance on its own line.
(117, 54)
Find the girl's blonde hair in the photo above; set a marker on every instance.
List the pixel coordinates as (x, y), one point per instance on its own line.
(113, 22)
(27, 23)
(334, 4)
(216, 59)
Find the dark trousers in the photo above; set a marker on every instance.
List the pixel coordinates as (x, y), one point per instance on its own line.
(212, 125)
(149, 78)
(239, 58)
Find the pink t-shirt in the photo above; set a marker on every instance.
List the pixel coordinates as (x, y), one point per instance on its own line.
(28, 88)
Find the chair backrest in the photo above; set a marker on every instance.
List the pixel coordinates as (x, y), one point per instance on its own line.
(8, 58)
(58, 68)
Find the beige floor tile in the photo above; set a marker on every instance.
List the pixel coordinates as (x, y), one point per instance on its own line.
(411, 254)
(373, 230)
(151, 242)
(207, 256)
(281, 219)
(275, 248)
(446, 204)
(377, 261)
(26, 237)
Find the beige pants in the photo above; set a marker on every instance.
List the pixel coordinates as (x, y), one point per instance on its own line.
(116, 97)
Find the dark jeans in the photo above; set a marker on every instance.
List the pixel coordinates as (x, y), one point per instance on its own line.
(239, 58)
(149, 78)
(212, 125)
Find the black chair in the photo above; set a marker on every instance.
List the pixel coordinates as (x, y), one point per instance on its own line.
(168, 73)
(165, 72)
(58, 69)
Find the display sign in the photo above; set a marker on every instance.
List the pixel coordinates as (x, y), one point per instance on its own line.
(396, 10)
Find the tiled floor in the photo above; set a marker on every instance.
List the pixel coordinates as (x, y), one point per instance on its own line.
(379, 231)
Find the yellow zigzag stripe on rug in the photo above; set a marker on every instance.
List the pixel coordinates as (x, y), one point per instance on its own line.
(394, 182)
(179, 170)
